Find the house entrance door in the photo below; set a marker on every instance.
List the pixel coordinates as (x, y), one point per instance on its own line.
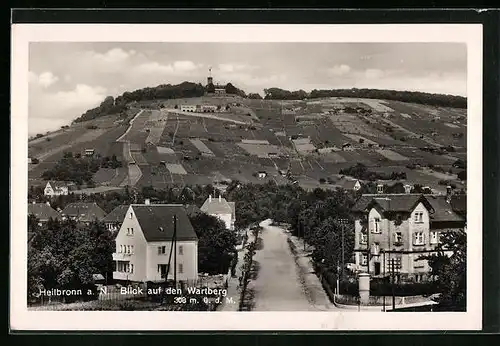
(377, 268)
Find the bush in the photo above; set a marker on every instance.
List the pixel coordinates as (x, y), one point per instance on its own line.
(92, 127)
(322, 180)
(34, 161)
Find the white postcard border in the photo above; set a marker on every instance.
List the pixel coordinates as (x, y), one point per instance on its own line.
(22, 319)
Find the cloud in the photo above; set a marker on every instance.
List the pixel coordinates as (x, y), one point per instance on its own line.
(234, 67)
(45, 79)
(62, 107)
(339, 70)
(185, 65)
(175, 68)
(112, 56)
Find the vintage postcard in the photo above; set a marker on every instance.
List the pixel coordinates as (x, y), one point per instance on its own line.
(246, 177)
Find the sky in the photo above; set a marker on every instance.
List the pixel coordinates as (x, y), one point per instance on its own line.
(66, 79)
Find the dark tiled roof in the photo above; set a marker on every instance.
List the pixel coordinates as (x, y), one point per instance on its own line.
(388, 202)
(459, 203)
(84, 212)
(43, 211)
(443, 210)
(58, 184)
(440, 209)
(117, 214)
(157, 222)
(215, 206)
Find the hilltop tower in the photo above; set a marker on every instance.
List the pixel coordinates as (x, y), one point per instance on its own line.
(210, 80)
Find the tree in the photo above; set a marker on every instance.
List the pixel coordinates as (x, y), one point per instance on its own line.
(462, 175)
(450, 272)
(216, 244)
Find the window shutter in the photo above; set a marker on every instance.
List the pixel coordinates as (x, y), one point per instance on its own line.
(159, 250)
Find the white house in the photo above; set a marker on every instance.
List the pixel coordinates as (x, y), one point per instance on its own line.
(56, 188)
(144, 244)
(222, 209)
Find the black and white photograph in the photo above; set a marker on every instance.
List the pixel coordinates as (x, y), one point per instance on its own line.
(246, 177)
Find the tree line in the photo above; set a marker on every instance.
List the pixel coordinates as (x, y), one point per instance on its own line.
(394, 95)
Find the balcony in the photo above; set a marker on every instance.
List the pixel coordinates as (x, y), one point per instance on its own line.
(121, 275)
(121, 256)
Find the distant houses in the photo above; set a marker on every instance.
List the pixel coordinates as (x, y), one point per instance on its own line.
(114, 219)
(83, 212)
(144, 244)
(221, 209)
(43, 212)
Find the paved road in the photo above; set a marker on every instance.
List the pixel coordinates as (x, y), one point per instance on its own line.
(278, 286)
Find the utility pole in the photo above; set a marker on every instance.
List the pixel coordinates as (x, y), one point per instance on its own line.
(304, 237)
(343, 264)
(175, 250)
(393, 284)
(383, 255)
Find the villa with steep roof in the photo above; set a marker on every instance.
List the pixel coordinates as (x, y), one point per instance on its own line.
(145, 244)
(403, 227)
(222, 209)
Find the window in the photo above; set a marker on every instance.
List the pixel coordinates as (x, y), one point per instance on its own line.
(131, 268)
(181, 268)
(398, 238)
(162, 250)
(121, 248)
(376, 225)
(364, 238)
(375, 249)
(434, 237)
(418, 238)
(130, 216)
(181, 250)
(419, 217)
(364, 259)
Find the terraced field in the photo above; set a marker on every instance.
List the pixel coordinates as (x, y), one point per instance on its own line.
(167, 146)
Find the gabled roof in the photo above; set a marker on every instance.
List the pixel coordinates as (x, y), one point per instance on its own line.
(43, 211)
(57, 184)
(84, 212)
(157, 222)
(216, 205)
(443, 211)
(389, 202)
(117, 214)
(347, 184)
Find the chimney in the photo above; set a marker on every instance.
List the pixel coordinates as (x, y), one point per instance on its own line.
(448, 193)
(220, 198)
(209, 198)
(407, 188)
(147, 201)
